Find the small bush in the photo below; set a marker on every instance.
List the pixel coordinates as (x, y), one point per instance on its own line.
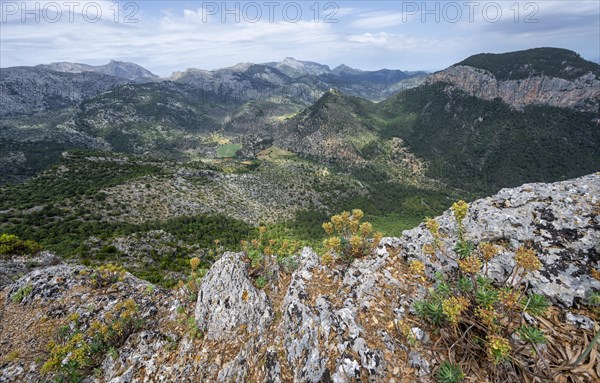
(11, 244)
(107, 274)
(75, 353)
(475, 315)
(348, 237)
(22, 293)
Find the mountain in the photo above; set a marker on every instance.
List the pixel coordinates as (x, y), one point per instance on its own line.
(480, 133)
(296, 68)
(26, 90)
(126, 70)
(299, 82)
(463, 126)
(330, 130)
(301, 318)
(542, 76)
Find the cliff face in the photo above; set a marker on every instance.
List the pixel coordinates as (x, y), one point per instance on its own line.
(582, 93)
(321, 323)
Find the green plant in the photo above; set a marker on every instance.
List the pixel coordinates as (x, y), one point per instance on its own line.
(21, 293)
(74, 352)
(261, 282)
(349, 238)
(12, 244)
(531, 334)
(108, 274)
(449, 373)
(475, 315)
(535, 304)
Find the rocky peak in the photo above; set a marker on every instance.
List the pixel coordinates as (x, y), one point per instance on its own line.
(343, 68)
(296, 68)
(543, 76)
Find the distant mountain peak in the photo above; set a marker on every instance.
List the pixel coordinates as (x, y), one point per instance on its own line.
(121, 69)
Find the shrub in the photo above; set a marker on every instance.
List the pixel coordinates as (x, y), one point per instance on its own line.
(348, 237)
(75, 353)
(108, 274)
(12, 244)
(269, 255)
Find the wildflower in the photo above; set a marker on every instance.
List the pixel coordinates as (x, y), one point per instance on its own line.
(433, 226)
(337, 221)
(377, 236)
(345, 216)
(470, 264)
(460, 210)
(355, 243)
(487, 316)
(328, 227)
(509, 298)
(498, 348)
(194, 263)
(428, 249)
(488, 251)
(357, 214)
(262, 229)
(453, 307)
(417, 267)
(526, 259)
(333, 244)
(365, 229)
(354, 224)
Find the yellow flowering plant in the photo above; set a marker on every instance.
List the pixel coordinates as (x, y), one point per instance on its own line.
(477, 311)
(348, 237)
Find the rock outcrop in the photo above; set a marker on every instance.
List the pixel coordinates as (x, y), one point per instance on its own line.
(560, 221)
(582, 93)
(227, 299)
(323, 323)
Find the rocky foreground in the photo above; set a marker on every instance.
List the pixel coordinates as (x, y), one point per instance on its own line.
(321, 323)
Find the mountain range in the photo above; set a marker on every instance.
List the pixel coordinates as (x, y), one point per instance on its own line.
(549, 95)
(182, 222)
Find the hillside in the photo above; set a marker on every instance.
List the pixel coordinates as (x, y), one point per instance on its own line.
(536, 62)
(300, 317)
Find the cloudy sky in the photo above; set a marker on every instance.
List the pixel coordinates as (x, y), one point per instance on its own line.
(165, 36)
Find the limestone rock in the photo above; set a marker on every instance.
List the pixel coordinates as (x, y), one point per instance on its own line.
(559, 220)
(227, 300)
(581, 94)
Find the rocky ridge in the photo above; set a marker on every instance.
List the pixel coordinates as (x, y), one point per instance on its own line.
(319, 324)
(126, 70)
(582, 93)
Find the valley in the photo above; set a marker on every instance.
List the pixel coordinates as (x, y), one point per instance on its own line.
(134, 154)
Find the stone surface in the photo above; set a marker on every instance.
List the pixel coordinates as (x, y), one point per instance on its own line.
(559, 220)
(581, 94)
(322, 323)
(227, 299)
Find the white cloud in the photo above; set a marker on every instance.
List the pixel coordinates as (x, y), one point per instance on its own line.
(368, 35)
